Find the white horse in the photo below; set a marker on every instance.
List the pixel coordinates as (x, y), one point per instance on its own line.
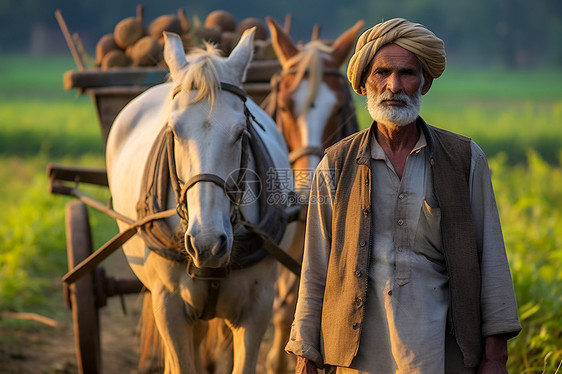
(196, 139)
(311, 104)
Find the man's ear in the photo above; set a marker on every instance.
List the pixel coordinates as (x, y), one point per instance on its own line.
(428, 80)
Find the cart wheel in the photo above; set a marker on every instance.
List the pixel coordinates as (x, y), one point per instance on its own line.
(85, 318)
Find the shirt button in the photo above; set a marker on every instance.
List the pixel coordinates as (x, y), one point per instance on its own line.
(390, 293)
(365, 212)
(401, 196)
(400, 222)
(362, 243)
(358, 273)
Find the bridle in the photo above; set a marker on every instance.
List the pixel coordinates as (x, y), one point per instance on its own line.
(234, 190)
(296, 154)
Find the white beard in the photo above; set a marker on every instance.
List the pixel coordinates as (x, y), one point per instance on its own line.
(391, 115)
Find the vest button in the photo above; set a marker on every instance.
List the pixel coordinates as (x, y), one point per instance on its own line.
(400, 222)
(365, 212)
(358, 273)
(358, 301)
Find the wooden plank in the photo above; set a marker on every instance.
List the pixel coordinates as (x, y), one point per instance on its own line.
(258, 91)
(77, 174)
(262, 70)
(259, 71)
(146, 77)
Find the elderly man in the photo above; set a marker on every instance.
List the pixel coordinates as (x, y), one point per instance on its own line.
(404, 269)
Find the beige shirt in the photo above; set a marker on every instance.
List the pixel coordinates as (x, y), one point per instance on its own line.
(408, 281)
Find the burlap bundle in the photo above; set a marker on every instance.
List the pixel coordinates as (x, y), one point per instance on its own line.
(414, 37)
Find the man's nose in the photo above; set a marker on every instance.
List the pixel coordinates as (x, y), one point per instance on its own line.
(394, 84)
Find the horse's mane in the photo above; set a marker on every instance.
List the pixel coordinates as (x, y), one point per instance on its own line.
(308, 62)
(201, 74)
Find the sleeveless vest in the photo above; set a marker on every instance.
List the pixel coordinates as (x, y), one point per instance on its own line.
(347, 277)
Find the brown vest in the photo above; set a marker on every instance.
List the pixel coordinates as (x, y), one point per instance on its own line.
(347, 277)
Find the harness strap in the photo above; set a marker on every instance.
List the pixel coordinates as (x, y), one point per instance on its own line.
(305, 151)
(271, 247)
(210, 308)
(235, 90)
(111, 246)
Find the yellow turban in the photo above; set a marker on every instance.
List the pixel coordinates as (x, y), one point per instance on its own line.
(413, 37)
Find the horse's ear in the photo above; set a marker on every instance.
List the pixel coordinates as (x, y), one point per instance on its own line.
(282, 43)
(242, 54)
(174, 55)
(344, 43)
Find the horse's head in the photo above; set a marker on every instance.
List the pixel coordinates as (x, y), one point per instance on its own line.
(207, 124)
(313, 108)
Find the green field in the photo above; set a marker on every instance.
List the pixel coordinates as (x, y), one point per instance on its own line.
(515, 116)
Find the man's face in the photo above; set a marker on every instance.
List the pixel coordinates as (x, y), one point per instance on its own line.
(394, 86)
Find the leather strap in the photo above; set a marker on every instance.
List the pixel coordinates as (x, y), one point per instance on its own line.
(111, 246)
(294, 156)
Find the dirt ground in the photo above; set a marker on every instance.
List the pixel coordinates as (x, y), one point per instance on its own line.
(42, 349)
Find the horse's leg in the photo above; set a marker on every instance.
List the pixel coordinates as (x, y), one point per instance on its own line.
(278, 361)
(175, 330)
(250, 295)
(247, 337)
(215, 344)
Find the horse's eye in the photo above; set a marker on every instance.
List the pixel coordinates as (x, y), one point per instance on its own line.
(312, 105)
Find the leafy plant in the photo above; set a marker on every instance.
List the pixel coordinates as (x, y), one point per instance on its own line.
(529, 199)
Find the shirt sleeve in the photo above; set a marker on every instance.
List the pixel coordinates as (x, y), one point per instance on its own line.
(305, 339)
(498, 301)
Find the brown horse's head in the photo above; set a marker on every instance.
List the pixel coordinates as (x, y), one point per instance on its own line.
(313, 107)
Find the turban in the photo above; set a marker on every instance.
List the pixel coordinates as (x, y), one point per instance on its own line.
(414, 37)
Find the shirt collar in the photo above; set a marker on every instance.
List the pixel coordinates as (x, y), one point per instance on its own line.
(377, 152)
(367, 151)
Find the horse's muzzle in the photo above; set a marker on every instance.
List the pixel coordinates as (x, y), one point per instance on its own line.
(208, 249)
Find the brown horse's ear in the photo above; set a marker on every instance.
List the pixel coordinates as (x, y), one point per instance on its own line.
(282, 43)
(344, 43)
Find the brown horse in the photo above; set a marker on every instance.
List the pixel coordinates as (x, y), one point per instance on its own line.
(311, 103)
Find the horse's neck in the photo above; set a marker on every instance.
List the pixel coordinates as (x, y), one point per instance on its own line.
(251, 210)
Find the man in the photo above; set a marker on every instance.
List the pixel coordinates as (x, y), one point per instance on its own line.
(404, 269)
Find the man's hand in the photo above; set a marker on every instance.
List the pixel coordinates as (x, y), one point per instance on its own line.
(305, 366)
(495, 355)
